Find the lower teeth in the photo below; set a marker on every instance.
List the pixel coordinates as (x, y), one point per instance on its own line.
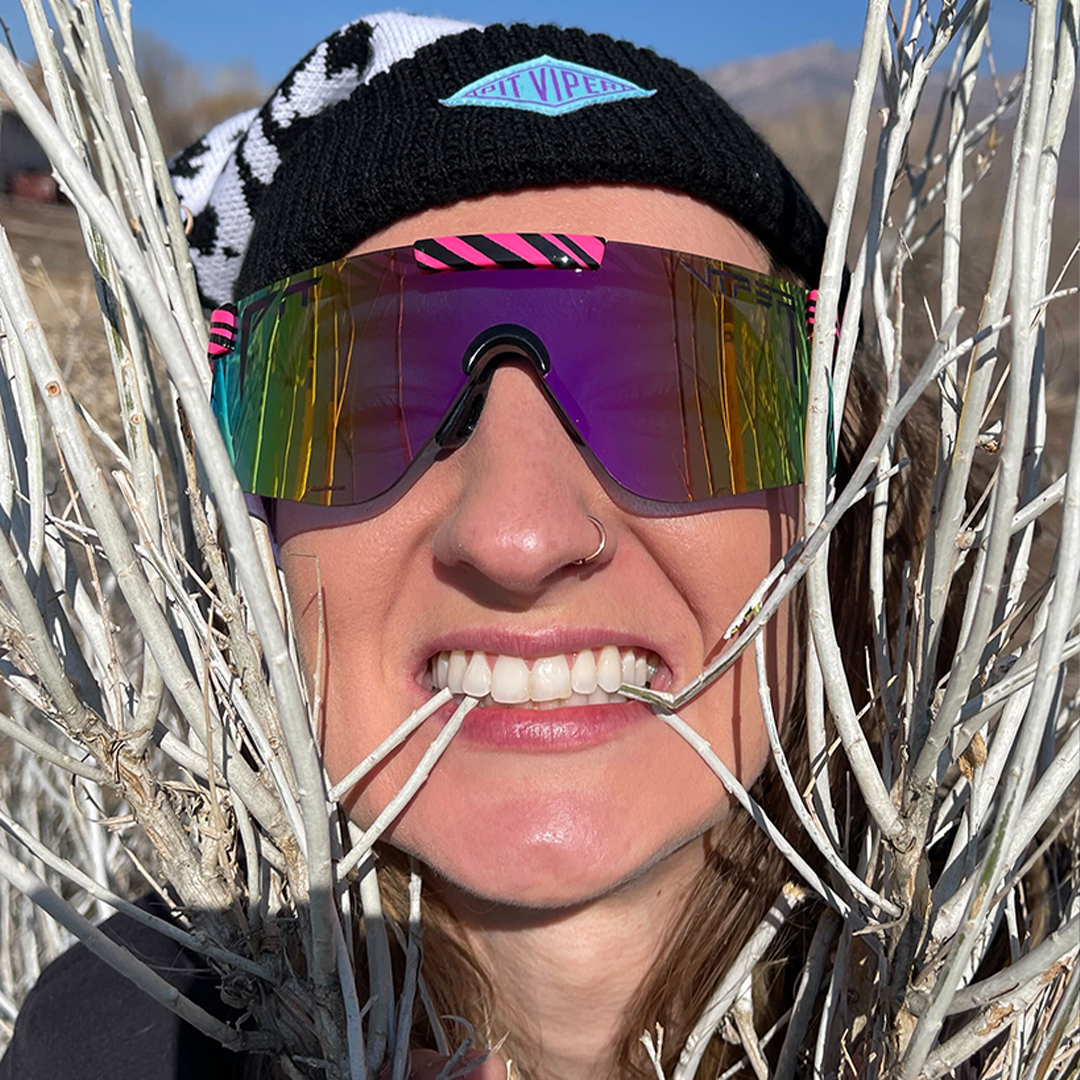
(593, 699)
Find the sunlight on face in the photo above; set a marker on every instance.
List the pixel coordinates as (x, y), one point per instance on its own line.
(480, 554)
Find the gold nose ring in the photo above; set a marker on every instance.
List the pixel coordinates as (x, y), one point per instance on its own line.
(603, 542)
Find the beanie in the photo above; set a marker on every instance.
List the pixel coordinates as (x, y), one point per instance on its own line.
(394, 114)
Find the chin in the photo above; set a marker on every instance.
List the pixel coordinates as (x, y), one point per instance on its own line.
(542, 851)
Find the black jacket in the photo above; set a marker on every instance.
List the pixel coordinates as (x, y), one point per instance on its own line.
(83, 1021)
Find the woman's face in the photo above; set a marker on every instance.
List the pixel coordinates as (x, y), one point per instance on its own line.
(540, 807)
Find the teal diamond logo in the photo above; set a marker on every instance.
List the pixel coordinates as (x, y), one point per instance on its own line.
(546, 85)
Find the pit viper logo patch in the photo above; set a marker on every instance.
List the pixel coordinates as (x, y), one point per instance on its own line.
(546, 85)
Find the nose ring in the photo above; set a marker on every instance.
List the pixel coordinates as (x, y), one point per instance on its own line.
(603, 542)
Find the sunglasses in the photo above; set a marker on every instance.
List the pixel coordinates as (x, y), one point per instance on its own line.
(679, 378)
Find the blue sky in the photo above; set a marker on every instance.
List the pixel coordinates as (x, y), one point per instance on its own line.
(272, 34)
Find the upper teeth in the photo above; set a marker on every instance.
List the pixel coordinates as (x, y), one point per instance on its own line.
(587, 677)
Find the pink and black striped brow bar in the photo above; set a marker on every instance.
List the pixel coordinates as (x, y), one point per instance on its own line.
(506, 251)
(223, 328)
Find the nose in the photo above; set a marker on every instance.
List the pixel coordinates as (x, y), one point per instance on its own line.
(525, 494)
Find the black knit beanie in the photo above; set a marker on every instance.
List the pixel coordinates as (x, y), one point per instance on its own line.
(395, 114)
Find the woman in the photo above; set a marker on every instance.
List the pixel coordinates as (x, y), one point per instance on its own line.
(567, 260)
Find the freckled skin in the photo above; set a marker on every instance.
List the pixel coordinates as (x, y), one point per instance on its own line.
(488, 536)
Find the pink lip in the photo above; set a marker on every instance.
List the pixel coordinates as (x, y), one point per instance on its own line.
(576, 728)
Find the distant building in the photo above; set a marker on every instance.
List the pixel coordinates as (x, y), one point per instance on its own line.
(25, 171)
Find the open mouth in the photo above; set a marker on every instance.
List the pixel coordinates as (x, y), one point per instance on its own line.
(587, 677)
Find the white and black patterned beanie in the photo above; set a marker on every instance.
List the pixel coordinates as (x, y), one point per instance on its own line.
(394, 114)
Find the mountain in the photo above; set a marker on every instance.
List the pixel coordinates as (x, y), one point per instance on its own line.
(785, 82)
(784, 85)
(770, 85)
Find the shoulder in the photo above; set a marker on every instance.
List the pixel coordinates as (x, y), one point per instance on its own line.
(83, 1021)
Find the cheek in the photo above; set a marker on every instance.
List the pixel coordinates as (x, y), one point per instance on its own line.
(336, 597)
(729, 715)
(719, 562)
(303, 571)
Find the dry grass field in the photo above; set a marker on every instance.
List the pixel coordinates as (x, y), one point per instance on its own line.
(48, 243)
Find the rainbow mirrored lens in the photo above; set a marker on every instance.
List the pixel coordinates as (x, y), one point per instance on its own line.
(684, 377)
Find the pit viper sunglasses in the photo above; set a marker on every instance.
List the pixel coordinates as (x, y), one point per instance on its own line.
(679, 378)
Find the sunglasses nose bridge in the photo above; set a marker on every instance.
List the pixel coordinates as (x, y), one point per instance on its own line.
(491, 347)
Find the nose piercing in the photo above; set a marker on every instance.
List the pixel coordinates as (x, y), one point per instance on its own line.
(603, 541)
